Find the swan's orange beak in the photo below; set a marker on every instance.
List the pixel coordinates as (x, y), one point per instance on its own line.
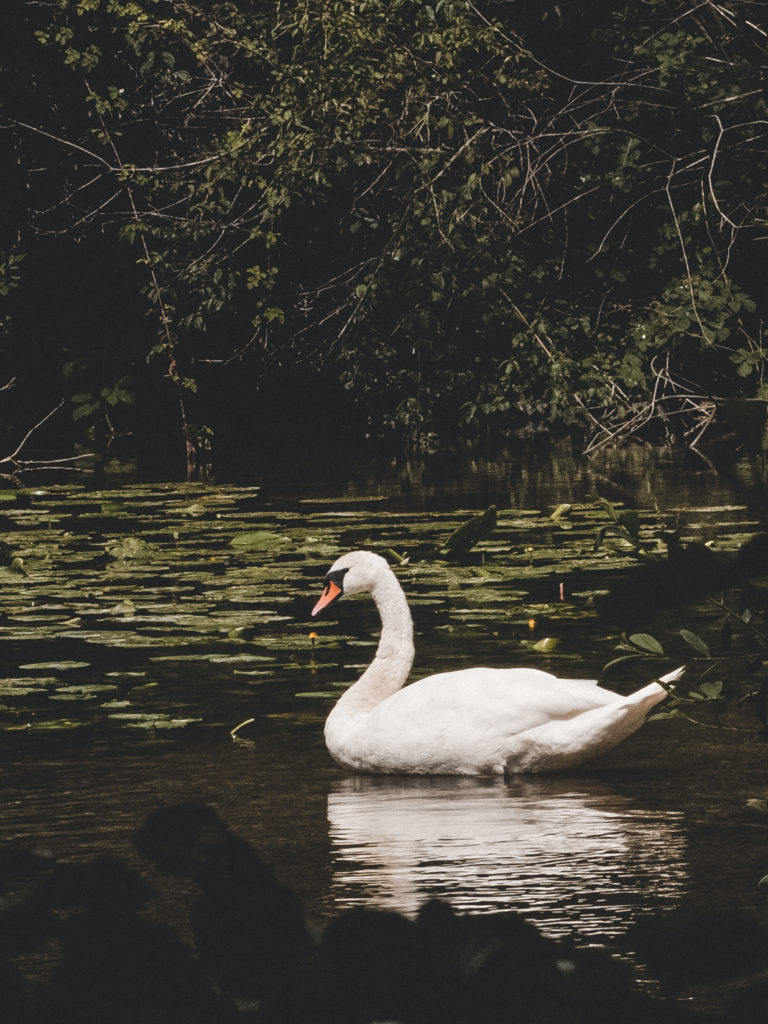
(330, 592)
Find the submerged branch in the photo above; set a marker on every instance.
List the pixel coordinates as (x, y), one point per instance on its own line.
(18, 465)
(14, 454)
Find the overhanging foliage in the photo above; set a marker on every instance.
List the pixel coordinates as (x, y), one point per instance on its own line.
(485, 214)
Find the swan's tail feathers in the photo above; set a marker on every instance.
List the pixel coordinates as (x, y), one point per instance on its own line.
(644, 698)
(672, 677)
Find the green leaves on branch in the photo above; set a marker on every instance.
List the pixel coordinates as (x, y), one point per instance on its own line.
(399, 193)
(88, 406)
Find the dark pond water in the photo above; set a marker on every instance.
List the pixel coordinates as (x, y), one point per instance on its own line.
(145, 622)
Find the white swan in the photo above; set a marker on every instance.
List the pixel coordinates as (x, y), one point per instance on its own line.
(476, 721)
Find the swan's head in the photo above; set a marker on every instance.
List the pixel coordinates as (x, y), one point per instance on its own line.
(354, 573)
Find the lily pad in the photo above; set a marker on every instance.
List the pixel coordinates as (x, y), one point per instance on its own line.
(24, 686)
(144, 720)
(87, 688)
(49, 666)
(547, 644)
(126, 608)
(45, 725)
(258, 540)
(128, 548)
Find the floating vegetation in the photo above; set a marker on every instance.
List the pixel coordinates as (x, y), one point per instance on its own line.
(50, 666)
(200, 596)
(129, 549)
(478, 528)
(258, 540)
(78, 692)
(24, 686)
(157, 720)
(44, 725)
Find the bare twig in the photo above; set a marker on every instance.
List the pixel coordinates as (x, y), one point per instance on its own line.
(18, 465)
(670, 399)
(683, 250)
(13, 456)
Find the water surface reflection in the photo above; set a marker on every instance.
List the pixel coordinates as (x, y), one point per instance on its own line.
(572, 855)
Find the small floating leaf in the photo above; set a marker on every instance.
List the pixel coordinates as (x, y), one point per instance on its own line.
(547, 644)
(87, 688)
(258, 540)
(229, 659)
(49, 666)
(49, 725)
(140, 720)
(128, 548)
(239, 632)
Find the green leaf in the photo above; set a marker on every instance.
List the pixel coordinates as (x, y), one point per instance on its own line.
(562, 510)
(713, 690)
(695, 642)
(547, 644)
(258, 540)
(646, 642)
(82, 411)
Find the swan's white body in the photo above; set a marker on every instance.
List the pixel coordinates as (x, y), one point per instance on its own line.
(476, 721)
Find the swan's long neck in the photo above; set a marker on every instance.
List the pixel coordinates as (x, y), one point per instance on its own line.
(394, 656)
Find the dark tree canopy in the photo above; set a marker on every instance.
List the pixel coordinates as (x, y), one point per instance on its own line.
(451, 219)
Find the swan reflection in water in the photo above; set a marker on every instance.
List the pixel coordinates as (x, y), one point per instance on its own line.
(573, 856)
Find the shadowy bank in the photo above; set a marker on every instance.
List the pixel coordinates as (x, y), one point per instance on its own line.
(253, 957)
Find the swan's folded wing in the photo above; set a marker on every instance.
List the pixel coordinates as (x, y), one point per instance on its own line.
(526, 695)
(587, 689)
